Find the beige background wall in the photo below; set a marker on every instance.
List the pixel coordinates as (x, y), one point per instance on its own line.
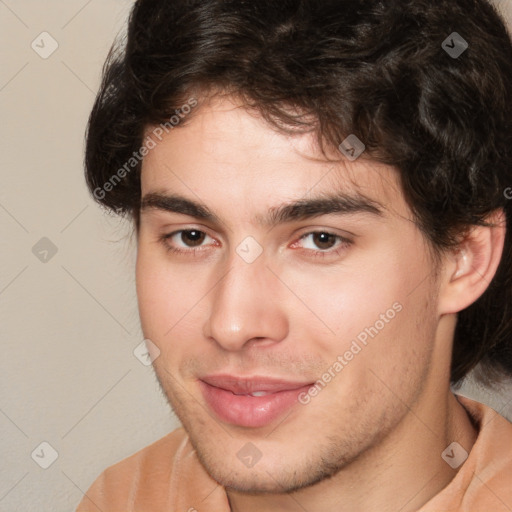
(68, 325)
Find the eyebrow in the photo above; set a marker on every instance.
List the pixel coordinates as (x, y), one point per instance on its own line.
(302, 209)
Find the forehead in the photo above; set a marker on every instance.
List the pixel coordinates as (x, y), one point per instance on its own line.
(228, 156)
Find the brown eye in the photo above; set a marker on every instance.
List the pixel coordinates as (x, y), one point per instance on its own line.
(322, 243)
(192, 238)
(324, 240)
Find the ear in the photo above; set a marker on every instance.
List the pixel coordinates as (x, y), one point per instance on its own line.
(469, 268)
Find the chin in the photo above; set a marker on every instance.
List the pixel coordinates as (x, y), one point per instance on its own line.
(270, 478)
(260, 482)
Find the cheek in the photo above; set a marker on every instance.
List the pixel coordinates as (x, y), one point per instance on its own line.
(376, 313)
(345, 300)
(162, 292)
(172, 302)
(150, 295)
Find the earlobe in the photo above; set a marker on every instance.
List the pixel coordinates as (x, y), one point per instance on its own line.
(470, 268)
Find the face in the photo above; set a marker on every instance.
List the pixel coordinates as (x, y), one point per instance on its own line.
(291, 298)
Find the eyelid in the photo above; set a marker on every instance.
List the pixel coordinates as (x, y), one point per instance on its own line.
(166, 239)
(343, 240)
(180, 231)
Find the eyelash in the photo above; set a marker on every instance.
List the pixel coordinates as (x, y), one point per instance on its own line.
(164, 239)
(192, 251)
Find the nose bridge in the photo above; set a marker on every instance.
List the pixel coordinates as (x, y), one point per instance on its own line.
(245, 304)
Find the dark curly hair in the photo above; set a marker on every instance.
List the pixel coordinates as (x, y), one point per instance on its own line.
(381, 70)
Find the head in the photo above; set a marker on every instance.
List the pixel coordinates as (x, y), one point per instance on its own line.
(319, 193)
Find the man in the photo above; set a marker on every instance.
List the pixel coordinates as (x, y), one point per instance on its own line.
(319, 192)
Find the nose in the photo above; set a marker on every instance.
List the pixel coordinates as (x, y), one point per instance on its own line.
(245, 308)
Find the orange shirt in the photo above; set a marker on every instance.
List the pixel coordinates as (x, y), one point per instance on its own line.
(168, 477)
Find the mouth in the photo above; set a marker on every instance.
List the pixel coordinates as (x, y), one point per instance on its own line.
(250, 401)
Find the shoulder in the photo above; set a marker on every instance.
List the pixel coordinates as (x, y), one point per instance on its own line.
(484, 481)
(491, 485)
(144, 476)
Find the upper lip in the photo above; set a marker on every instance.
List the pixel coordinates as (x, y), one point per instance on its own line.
(248, 385)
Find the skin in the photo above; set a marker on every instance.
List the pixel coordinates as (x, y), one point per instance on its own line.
(373, 436)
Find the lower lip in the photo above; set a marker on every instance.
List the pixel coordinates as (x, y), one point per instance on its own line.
(249, 411)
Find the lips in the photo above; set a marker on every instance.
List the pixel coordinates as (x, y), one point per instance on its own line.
(246, 386)
(250, 402)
